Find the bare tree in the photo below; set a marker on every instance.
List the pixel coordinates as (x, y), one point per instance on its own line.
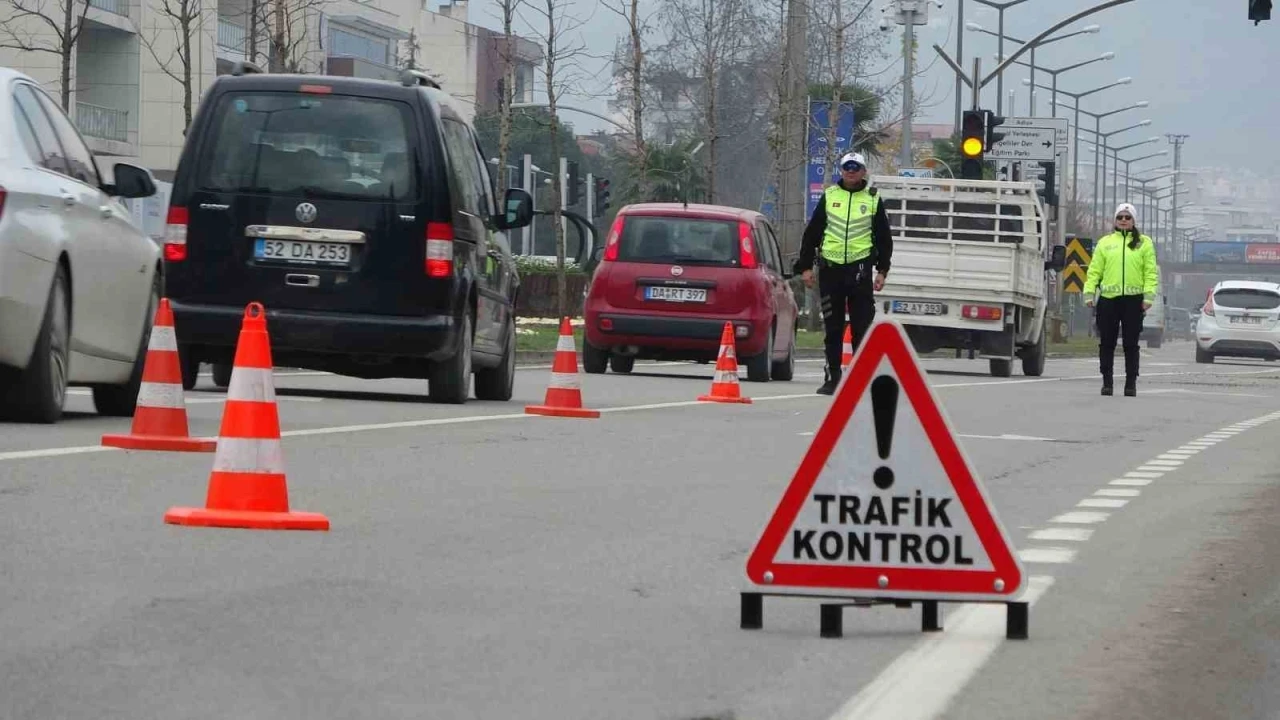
(561, 72)
(707, 36)
(289, 25)
(58, 24)
(178, 23)
(506, 54)
(633, 85)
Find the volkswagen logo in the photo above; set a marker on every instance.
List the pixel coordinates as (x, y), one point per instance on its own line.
(677, 270)
(306, 213)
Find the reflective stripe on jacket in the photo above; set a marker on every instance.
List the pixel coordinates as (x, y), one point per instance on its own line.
(1116, 269)
(847, 237)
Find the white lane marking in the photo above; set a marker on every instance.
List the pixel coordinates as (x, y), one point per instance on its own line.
(1136, 482)
(1047, 555)
(810, 433)
(1117, 492)
(1081, 518)
(1172, 455)
(1156, 468)
(921, 682)
(1062, 534)
(1008, 436)
(1163, 463)
(1102, 503)
(1151, 475)
(53, 452)
(1186, 450)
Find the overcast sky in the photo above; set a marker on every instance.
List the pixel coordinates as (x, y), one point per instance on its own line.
(1205, 68)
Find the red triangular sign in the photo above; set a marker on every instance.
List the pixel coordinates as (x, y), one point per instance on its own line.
(885, 502)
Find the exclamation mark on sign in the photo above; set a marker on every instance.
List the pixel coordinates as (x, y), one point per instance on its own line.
(884, 408)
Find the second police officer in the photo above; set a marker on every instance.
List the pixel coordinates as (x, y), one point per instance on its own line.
(848, 236)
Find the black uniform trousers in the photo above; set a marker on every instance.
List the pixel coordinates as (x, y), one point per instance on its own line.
(844, 287)
(1119, 317)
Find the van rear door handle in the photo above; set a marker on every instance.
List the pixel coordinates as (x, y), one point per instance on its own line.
(302, 280)
(68, 199)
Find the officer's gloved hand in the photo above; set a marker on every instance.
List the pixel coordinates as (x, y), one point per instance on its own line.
(795, 268)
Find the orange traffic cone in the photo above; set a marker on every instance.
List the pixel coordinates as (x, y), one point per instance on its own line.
(247, 488)
(724, 387)
(846, 352)
(160, 419)
(564, 393)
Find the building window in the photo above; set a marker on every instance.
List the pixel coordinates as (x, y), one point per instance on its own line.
(345, 43)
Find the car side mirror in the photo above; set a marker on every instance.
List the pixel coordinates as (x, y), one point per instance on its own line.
(1058, 259)
(131, 182)
(518, 212)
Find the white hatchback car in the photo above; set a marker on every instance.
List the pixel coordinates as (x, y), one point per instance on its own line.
(79, 282)
(1241, 318)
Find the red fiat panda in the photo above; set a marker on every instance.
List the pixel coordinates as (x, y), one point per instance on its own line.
(670, 277)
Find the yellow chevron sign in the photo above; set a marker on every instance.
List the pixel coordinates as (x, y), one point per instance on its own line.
(1073, 274)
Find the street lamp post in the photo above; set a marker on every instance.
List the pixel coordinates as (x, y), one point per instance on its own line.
(1102, 146)
(1053, 102)
(1075, 149)
(1088, 30)
(1115, 169)
(1097, 129)
(1000, 7)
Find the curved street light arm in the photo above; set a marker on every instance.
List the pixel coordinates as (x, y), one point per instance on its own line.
(1082, 14)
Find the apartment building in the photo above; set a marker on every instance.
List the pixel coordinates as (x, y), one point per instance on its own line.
(128, 104)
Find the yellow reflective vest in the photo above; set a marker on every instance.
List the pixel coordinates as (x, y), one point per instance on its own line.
(847, 237)
(1115, 269)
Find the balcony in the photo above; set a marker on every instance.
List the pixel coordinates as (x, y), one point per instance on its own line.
(116, 7)
(101, 122)
(231, 40)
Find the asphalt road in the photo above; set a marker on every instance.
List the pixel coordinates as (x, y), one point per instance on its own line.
(485, 563)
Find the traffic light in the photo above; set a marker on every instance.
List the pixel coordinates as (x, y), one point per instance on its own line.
(1050, 193)
(602, 196)
(1259, 10)
(574, 194)
(992, 121)
(971, 144)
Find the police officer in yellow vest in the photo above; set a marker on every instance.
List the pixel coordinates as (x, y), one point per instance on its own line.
(848, 234)
(1123, 271)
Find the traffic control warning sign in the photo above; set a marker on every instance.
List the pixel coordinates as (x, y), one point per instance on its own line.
(885, 502)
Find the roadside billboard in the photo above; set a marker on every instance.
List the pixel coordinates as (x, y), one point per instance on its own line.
(820, 161)
(1232, 252)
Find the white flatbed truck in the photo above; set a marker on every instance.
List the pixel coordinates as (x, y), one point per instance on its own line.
(972, 262)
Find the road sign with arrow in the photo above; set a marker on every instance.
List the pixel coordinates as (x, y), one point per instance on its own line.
(1025, 143)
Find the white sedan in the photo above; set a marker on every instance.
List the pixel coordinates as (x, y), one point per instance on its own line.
(79, 283)
(1241, 318)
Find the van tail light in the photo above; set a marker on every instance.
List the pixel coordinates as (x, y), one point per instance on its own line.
(3, 196)
(612, 243)
(175, 234)
(1208, 305)
(748, 246)
(439, 249)
(981, 312)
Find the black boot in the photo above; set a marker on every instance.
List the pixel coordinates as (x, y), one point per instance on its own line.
(1106, 385)
(1131, 386)
(833, 379)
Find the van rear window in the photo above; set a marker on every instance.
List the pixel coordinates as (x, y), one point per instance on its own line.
(678, 240)
(310, 146)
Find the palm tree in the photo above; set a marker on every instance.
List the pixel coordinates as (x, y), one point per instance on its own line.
(867, 133)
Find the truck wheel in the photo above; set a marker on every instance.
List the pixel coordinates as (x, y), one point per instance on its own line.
(222, 374)
(1033, 358)
(622, 364)
(1001, 368)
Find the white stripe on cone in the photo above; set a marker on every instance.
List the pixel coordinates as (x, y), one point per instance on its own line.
(161, 395)
(726, 376)
(249, 455)
(163, 339)
(251, 384)
(726, 351)
(565, 344)
(565, 381)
